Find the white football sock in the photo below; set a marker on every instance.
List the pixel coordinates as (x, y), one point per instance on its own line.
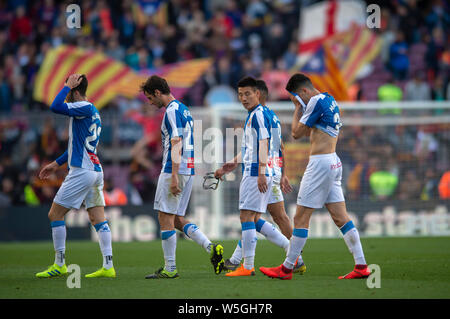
(272, 234)
(104, 236)
(237, 254)
(249, 241)
(169, 245)
(351, 238)
(193, 232)
(297, 242)
(59, 241)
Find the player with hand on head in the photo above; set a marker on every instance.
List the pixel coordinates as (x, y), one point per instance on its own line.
(84, 183)
(175, 181)
(276, 201)
(317, 115)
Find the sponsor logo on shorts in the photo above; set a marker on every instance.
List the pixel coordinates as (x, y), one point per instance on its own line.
(334, 166)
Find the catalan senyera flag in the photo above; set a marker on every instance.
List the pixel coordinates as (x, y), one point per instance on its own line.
(353, 49)
(101, 71)
(108, 77)
(325, 75)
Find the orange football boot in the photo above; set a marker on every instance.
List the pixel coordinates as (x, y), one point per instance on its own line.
(241, 271)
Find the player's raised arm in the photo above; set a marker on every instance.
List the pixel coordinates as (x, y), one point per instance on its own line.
(74, 92)
(298, 129)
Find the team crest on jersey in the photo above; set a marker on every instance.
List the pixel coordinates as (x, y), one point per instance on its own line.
(186, 113)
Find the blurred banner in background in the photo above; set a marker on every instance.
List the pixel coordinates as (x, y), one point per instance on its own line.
(140, 223)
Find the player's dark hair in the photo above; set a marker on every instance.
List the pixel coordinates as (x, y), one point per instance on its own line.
(262, 87)
(298, 81)
(154, 83)
(248, 81)
(82, 87)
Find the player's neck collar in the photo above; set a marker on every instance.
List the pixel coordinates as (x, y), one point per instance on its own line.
(250, 111)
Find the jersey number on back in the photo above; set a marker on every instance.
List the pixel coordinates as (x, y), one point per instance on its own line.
(94, 137)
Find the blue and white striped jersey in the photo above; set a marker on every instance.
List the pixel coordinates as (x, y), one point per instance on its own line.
(322, 112)
(84, 132)
(178, 121)
(276, 155)
(257, 127)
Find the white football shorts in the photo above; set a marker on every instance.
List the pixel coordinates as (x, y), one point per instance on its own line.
(165, 201)
(81, 186)
(321, 183)
(250, 198)
(276, 195)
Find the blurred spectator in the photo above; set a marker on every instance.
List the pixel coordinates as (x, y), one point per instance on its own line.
(438, 91)
(383, 184)
(398, 57)
(6, 192)
(417, 89)
(20, 25)
(390, 92)
(430, 187)
(410, 186)
(5, 94)
(114, 196)
(444, 186)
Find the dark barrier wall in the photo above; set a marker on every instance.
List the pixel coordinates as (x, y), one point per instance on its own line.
(140, 223)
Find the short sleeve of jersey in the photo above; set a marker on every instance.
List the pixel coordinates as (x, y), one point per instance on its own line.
(174, 123)
(312, 112)
(80, 109)
(261, 124)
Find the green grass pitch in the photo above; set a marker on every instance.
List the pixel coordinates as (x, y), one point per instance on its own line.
(410, 268)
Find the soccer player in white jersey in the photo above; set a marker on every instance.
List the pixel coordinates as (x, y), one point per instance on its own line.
(84, 183)
(175, 181)
(254, 190)
(276, 201)
(317, 115)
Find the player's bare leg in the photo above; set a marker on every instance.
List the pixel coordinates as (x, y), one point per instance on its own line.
(98, 220)
(248, 244)
(169, 245)
(192, 231)
(279, 216)
(297, 242)
(340, 217)
(56, 216)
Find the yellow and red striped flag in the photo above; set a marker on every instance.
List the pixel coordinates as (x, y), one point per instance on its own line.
(101, 71)
(324, 73)
(108, 77)
(353, 49)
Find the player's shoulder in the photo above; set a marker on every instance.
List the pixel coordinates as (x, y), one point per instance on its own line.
(80, 104)
(83, 108)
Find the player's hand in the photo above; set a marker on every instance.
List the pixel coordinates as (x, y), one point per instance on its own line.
(262, 183)
(219, 173)
(48, 170)
(174, 188)
(285, 185)
(73, 80)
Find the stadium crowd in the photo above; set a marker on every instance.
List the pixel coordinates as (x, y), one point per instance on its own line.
(244, 37)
